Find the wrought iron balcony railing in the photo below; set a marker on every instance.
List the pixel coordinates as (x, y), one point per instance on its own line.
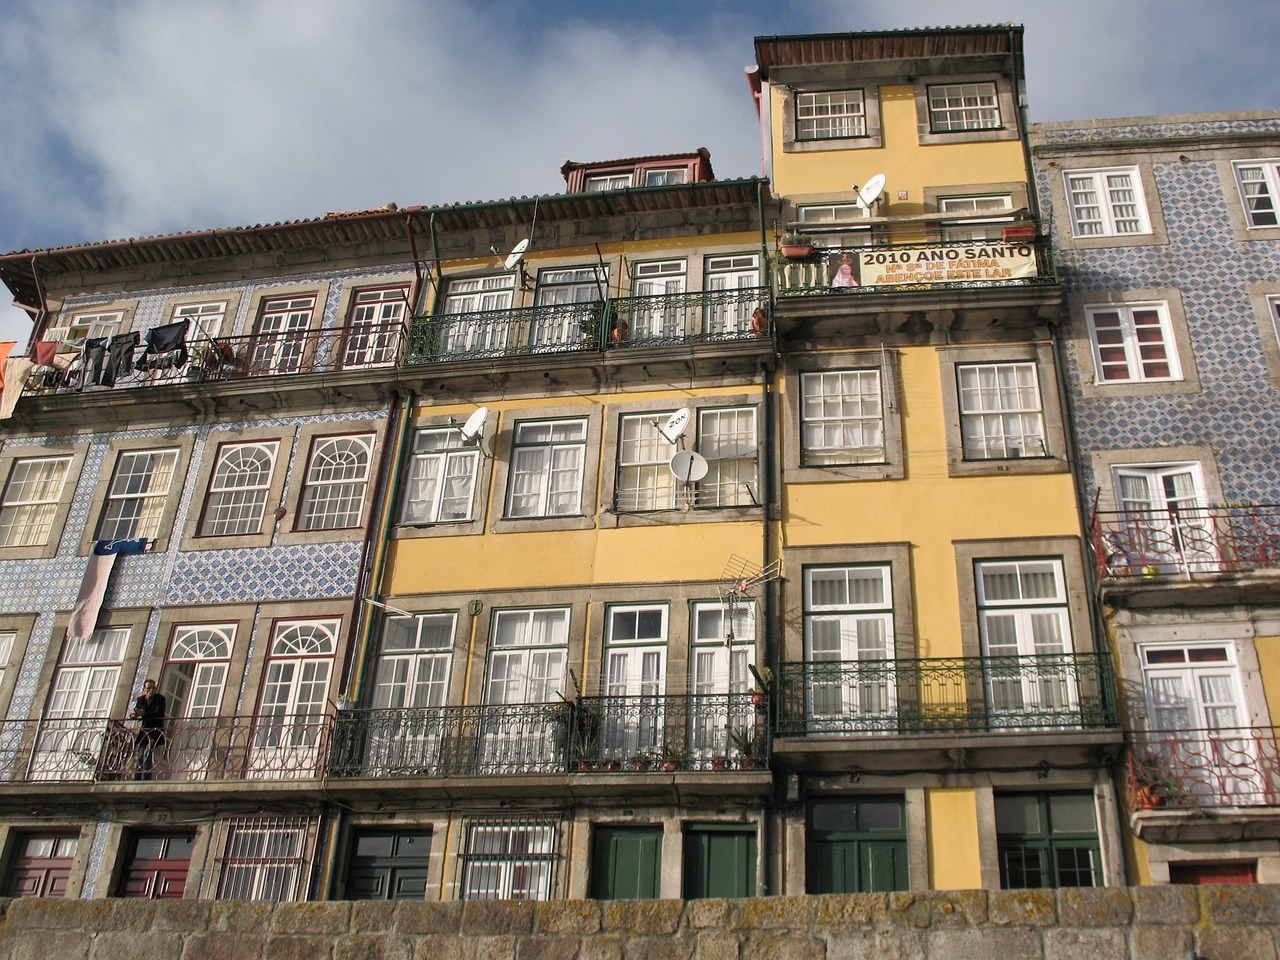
(1187, 769)
(892, 268)
(947, 695)
(593, 734)
(209, 748)
(205, 360)
(662, 320)
(1185, 541)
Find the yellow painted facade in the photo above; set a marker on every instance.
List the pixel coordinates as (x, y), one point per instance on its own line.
(954, 859)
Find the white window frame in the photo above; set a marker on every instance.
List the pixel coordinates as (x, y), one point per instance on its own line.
(1101, 205)
(280, 340)
(440, 487)
(836, 406)
(732, 456)
(990, 214)
(82, 692)
(961, 107)
(196, 668)
(373, 330)
(135, 501)
(604, 182)
(508, 861)
(665, 176)
(1169, 529)
(532, 647)
(29, 504)
(490, 297)
(294, 692)
(86, 325)
(1133, 324)
(414, 661)
(265, 858)
(738, 271)
(830, 114)
(1259, 185)
(205, 319)
(722, 643)
(547, 458)
(659, 319)
(1001, 420)
(838, 224)
(634, 667)
(336, 484)
(645, 481)
(236, 501)
(864, 632)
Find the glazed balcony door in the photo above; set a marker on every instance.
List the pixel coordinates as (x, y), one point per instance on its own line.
(287, 730)
(1168, 526)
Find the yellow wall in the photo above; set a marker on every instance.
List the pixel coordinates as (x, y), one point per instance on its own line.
(1268, 649)
(952, 814)
(906, 163)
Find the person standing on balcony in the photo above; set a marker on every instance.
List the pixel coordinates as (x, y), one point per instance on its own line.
(148, 709)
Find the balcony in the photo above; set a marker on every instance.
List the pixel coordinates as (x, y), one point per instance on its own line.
(206, 360)
(1204, 784)
(592, 735)
(879, 698)
(664, 320)
(1153, 544)
(902, 267)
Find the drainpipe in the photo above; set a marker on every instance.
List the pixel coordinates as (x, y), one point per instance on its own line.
(767, 597)
(764, 242)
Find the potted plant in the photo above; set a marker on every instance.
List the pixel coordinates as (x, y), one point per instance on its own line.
(749, 746)
(673, 758)
(640, 760)
(1154, 784)
(1018, 231)
(796, 246)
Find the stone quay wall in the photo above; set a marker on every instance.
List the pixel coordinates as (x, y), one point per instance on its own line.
(1142, 923)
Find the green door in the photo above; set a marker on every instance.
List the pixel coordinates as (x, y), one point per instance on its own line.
(625, 862)
(719, 861)
(856, 846)
(388, 866)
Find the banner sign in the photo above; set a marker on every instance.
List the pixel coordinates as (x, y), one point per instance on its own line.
(976, 263)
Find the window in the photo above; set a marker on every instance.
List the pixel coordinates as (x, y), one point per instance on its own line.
(830, 114)
(413, 665)
(137, 494)
(963, 106)
(41, 865)
(81, 326)
(727, 439)
(601, 182)
(1166, 524)
(265, 859)
(1259, 182)
(7, 640)
(570, 306)
(295, 690)
(195, 671)
(70, 740)
(526, 665)
(633, 680)
(733, 284)
(486, 302)
(337, 477)
(839, 224)
(657, 319)
(1025, 630)
(724, 643)
(205, 319)
(842, 418)
(30, 500)
(1047, 840)
(442, 477)
(989, 217)
(546, 468)
(280, 342)
(645, 481)
(1000, 416)
(665, 177)
(156, 866)
(1133, 343)
(1106, 203)
(508, 861)
(856, 846)
(238, 489)
(374, 326)
(848, 618)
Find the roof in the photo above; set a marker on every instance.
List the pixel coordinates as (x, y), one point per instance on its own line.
(18, 270)
(917, 43)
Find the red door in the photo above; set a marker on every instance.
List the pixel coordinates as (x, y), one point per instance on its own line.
(41, 865)
(157, 866)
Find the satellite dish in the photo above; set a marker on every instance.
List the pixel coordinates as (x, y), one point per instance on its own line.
(676, 425)
(517, 254)
(871, 191)
(688, 467)
(474, 425)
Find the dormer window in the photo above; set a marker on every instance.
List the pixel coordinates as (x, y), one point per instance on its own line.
(607, 181)
(666, 176)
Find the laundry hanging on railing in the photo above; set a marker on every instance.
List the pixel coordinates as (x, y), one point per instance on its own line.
(84, 615)
(166, 347)
(93, 358)
(124, 547)
(119, 363)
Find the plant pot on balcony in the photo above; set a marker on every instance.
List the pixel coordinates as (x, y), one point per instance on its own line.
(1018, 233)
(796, 251)
(1147, 798)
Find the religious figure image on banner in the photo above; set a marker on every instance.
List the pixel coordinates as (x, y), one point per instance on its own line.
(844, 272)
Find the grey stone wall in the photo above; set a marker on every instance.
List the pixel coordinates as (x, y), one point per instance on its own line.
(1146, 923)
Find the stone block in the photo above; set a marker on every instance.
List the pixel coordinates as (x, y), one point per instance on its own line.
(567, 916)
(790, 946)
(1094, 907)
(332, 917)
(767, 913)
(50, 945)
(496, 918)
(132, 945)
(221, 945)
(1245, 903)
(1022, 908)
(659, 948)
(850, 910)
(941, 908)
(285, 947)
(1161, 943)
(1165, 905)
(1083, 944)
(642, 917)
(373, 916)
(540, 947)
(706, 913)
(429, 918)
(438, 946)
(185, 916)
(901, 943)
(1223, 943)
(601, 948)
(241, 917)
(715, 945)
(373, 946)
(487, 948)
(982, 943)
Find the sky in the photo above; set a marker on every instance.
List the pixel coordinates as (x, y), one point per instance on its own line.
(132, 118)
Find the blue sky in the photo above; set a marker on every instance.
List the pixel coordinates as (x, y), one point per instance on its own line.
(128, 118)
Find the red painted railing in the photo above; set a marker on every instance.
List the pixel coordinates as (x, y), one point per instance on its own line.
(1185, 541)
(1187, 769)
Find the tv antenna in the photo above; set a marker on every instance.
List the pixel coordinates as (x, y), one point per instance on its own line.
(737, 581)
(870, 192)
(675, 426)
